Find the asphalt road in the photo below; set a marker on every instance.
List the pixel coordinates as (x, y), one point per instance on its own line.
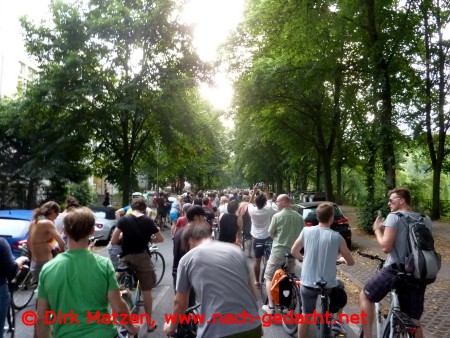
(162, 302)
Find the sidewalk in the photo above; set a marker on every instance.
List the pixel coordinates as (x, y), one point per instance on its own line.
(437, 301)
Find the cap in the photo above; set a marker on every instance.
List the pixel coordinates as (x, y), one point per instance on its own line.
(136, 194)
(186, 206)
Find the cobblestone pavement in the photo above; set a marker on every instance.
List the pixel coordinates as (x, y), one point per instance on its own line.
(437, 301)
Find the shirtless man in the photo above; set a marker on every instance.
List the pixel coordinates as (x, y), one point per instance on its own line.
(43, 237)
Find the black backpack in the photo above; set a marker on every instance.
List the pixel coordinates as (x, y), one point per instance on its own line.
(422, 261)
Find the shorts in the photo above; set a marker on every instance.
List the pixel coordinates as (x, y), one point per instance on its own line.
(144, 268)
(35, 269)
(337, 296)
(259, 246)
(410, 295)
(161, 211)
(275, 263)
(174, 216)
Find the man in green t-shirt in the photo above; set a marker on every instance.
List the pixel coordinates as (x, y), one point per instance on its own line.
(284, 228)
(77, 286)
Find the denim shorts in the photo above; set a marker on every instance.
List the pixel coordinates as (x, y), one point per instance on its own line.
(411, 295)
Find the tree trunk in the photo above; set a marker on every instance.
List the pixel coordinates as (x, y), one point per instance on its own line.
(437, 151)
(382, 89)
(370, 171)
(126, 182)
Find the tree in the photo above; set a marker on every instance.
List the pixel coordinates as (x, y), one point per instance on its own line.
(436, 85)
(118, 73)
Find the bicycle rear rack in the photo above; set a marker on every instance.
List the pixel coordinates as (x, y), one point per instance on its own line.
(403, 322)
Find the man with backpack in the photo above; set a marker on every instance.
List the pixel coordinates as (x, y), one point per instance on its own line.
(393, 235)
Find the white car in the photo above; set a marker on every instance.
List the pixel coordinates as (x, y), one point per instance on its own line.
(105, 222)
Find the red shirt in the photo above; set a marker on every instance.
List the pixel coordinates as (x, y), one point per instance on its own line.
(181, 222)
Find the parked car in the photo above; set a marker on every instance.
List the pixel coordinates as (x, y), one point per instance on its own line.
(340, 224)
(14, 226)
(105, 221)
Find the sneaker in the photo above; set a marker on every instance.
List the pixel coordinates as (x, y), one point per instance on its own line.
(267, 309)
(338, 327)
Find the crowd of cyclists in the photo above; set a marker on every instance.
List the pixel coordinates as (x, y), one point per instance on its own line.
(211, 271)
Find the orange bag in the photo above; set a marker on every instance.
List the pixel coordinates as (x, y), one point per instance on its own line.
(280, 282)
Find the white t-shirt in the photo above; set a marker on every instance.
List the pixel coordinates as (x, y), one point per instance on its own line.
(260, 220)
(223, 209)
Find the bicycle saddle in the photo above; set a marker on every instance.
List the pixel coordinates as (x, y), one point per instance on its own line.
(321, 283)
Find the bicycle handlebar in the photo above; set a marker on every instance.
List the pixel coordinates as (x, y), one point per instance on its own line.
(94, 238)
(370, 256)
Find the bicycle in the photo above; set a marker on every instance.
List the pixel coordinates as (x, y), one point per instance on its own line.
(244, 238)
(264, 259)
(23, 284)
(11, 312)
(295, 305)
(158, 262)
(130, 289)
(396, 324)
(188, 329)
(324, 323)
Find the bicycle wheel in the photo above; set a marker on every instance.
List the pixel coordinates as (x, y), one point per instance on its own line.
(323, 326)
(137, 301)
(160, 265)
(11, 320)
(242, 241)
(125, 281)
(263, 289)
(127, 296)
(289, 323)
(23, 291)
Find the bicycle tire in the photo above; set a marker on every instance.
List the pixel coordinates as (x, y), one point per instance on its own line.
(137, 302)
(160, 265)
(291, 328)
(11, 320)
(262, 289)
(323, 330)
(23, 291)
(125, 281)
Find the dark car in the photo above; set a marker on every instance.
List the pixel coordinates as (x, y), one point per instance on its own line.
(340, 224)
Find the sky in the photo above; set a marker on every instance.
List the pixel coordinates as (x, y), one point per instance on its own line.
(213, 21)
